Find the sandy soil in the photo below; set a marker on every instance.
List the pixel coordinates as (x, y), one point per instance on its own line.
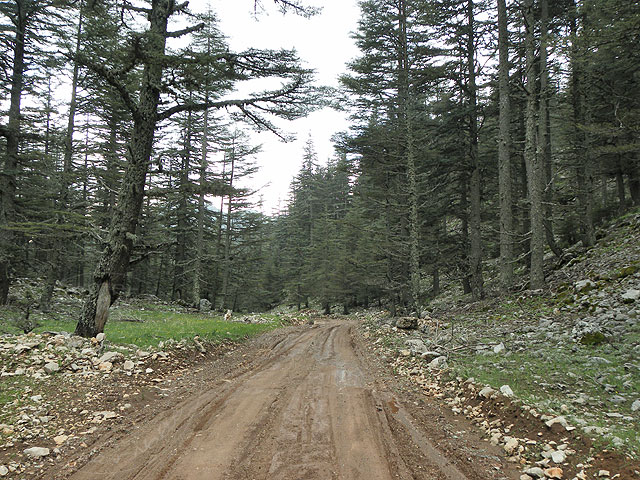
(305, 403)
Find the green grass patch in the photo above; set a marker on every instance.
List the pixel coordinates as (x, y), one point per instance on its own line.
(151, 324)
(553, 380)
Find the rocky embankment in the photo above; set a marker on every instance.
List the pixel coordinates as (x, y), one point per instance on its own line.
(60, 390)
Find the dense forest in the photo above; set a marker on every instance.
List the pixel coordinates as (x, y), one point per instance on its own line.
(487, 137)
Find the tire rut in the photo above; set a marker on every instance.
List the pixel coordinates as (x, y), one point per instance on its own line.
(306, 407)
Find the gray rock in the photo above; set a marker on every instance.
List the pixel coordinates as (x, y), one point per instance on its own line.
(635, 406)
(4, 471)
(617, 399)
(535, 472)
(37, 452)
(499, 348)
(631, 296)
(100, 337)
(584, 286)
(558, 456)
(51, 367)
(205, 305)
(416, 346)
(486, 392)
(438, 363)
(113, 357)
(128, 365)
(506, 391)
(407, 323)
(74, 342)
(430, 355)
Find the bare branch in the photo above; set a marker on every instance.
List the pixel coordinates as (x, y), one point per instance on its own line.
(185, 31)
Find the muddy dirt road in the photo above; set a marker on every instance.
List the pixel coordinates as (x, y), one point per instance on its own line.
(309, 405)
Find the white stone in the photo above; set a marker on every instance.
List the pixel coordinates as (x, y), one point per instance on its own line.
(506, 391)
(60, 439)
(37, 452)
(500, 348)
(535, 472)
(631, 295)
(112, 357)
(100, 337)
(583, 285)
(486, 392)
(51, 367)
(511, 445)
(4, 471)
(128, 365)
(635, 406)
(561, 420)
(558, 456)
(36, 398)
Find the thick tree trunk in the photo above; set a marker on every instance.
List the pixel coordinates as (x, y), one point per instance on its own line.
(634, 183)
(544, 128)
(109, 276)
(475, 234)
(182, 223)
(412, 183)
(201, 207)
(535, 171)
(504, 154)
(226, 272)
(12, 135)
(582, 155)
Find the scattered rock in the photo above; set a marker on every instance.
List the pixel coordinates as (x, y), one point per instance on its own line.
(584, 286)
(604, 473)
(511, 445)
(128, 365)
(438, 363)
(499, 348)
(405, 353)
(112, 357)
(635, 406)
(60, 439)
(105, 366)
(407, 323)
(51, 367)
(561, 420)
(506, 391)
(37, 452)
(558, 456)
(486, 392)
(4, 471)
(535, 472)
(555, 472)
(631, 296)
(204, 306)
(100, 337)
(416, 346)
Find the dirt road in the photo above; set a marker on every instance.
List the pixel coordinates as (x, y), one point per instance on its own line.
(309, 405)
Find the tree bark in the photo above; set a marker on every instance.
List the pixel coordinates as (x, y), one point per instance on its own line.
(475, 234)
(582, 155)
(110, 273)
(535, 171)
(504, 153)
(226, 265)
(12, 135)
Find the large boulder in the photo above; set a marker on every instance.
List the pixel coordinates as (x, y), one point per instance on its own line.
(416, 346)
(205, 305)
(407, 323)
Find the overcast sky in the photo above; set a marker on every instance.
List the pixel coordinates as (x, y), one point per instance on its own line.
(323, 42)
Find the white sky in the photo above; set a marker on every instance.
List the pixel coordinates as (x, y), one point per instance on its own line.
(323, 42)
